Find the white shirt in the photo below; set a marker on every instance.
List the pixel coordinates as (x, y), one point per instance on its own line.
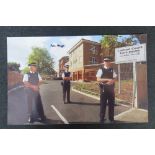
(25, 78)
(99, 73)
(63, 75)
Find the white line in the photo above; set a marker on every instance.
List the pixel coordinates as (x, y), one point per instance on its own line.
(97, 98)
(88, 95)
(144, 110)
(125, 112)
(13, 89)
(59, 114)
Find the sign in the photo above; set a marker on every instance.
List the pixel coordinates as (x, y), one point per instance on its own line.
(136, 53)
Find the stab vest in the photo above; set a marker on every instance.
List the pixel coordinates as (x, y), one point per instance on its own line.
(67, 74)
(33, 78)
(107, 73)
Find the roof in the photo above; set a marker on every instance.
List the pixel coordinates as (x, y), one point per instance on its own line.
(80, 42)
(64, 57)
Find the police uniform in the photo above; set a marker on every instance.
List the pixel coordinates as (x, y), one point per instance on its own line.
(66, 86)
(33, 98)
(107, 95)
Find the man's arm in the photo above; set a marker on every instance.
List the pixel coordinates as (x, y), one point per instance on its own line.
(66, 78)
(28, 84)
(99, 79)
(103, 79)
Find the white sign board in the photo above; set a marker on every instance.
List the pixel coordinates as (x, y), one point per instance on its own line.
(136, 53)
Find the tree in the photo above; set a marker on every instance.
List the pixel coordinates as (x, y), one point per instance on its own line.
(142, 38)
(13, 66)
(110, 42)
(25, 70)
(43, 59)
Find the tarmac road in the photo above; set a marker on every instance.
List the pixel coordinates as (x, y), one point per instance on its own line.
(83, 109)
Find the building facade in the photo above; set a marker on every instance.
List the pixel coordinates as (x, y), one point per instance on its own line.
(84, 60)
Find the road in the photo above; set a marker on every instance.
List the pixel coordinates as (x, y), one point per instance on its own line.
(83, 109)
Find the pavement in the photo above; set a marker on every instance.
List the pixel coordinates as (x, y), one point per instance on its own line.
(82, 110)
(133, 116)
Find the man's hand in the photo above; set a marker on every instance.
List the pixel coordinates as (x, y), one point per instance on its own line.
(67, 78)
(35, 88)
(110, 82)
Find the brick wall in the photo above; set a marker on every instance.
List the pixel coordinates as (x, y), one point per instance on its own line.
(14, 78)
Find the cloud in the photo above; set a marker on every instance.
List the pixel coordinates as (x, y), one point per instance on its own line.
(19, 48)
(69, 42)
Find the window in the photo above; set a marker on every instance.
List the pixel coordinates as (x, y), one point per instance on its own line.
(93, 49)
(93, 60)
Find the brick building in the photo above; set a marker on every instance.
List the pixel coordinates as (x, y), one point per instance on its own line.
(62, 62)
(84, 60)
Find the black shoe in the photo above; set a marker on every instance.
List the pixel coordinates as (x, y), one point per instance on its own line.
(68, 101)
(42, 119)
(30, 120)
(102, 121)
(111, 121)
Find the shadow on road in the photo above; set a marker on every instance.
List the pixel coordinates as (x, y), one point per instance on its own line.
(84, 103)
(91, 104)
(50, 121)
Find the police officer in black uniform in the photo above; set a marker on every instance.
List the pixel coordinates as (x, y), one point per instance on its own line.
(66, 76)
(31, 81)
(106, 77)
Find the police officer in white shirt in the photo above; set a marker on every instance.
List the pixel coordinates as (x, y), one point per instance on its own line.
(31, 82)
(66, 76)
(106, 77)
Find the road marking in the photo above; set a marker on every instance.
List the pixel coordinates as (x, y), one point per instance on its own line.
(60, 115)
(144, 110)
(13, 89)
(88, 95)
(97, 98)
(125, 112)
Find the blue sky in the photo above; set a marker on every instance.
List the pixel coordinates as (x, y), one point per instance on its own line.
(19, 48)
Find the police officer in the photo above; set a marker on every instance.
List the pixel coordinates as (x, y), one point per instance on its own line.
(66, 76)
(106, 77)
(31, 81)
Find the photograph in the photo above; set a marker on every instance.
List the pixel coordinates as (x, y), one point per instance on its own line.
(87, 79)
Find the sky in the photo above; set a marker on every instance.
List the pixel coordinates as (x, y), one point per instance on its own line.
(19, 48)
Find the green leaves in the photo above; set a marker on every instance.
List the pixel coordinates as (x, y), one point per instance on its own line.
(110, 42)
(13, 66)
(43, 59)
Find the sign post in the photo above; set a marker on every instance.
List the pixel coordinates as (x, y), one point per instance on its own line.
(119, 79)
(134, 100)
(131, 54)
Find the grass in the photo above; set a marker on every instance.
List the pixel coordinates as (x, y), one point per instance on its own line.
(93, 88)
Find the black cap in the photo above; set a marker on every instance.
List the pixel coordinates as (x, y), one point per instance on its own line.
(32, 64)
(66, 66)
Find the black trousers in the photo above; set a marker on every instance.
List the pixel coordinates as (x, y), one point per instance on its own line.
(66, 92)
(107, 96)
(34, 102)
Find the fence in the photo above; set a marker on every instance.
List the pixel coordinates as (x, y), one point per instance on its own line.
(123, 86)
